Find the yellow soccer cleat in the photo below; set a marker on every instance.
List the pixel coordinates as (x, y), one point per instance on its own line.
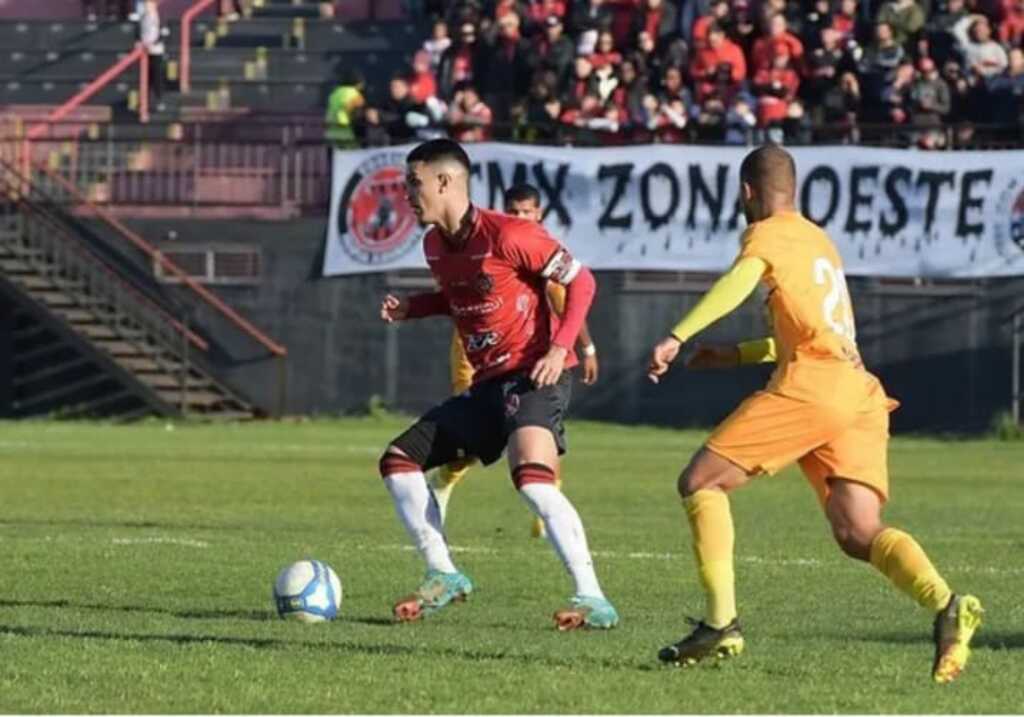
(955, 625)
(705, 642)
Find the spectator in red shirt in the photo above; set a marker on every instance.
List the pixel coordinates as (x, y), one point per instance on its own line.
(776, 88)
(541, 10)
(667, 120)
(844, 20)
(605, 52)
(460, 62)
(707, 62)
(1011, 27)
(469, 117)
(583, 81)
(718, 11)
(422, 84)
(763, 55)
(595, 123)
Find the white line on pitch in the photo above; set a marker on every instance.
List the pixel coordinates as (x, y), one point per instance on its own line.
(186, 542)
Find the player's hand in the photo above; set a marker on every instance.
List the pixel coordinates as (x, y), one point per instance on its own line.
(393, 308)
(714, 356)
(590, 370)
(548, 369)
(664, 353)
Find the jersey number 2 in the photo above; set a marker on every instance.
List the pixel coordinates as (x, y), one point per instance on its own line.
(837, 306)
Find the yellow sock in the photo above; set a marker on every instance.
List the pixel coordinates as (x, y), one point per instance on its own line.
(899, 558)
(713, 538)
(452, 473)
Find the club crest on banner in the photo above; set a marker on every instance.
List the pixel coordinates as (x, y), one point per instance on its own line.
(1011, 206)
(375, 223)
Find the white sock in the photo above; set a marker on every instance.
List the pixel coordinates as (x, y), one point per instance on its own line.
(419, 514)
(565, 531)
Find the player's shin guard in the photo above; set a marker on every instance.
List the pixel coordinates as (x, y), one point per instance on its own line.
(899, 557)
(713, 538)
(417, 510)
(536, 484)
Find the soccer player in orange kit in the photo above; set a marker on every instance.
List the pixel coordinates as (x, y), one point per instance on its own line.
(821, 409)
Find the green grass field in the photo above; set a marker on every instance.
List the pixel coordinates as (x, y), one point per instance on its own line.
(137, 563)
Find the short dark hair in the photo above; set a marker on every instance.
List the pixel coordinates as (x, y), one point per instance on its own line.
(522, 192)
(437, 149)
(770, 168)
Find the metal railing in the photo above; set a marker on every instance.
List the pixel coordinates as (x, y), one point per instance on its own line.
(284, 168)
(63, 191)
(44, 243)
(185, 58)
(137, 56)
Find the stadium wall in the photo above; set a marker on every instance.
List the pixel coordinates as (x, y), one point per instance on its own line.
(943, 351)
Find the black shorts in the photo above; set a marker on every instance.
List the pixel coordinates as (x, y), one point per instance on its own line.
(478, 423)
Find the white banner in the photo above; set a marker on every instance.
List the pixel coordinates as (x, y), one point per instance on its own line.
(674, 207)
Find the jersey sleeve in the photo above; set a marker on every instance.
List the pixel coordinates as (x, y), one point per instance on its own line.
(530, 248)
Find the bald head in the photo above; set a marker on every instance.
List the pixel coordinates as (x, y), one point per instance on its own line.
(768, 175)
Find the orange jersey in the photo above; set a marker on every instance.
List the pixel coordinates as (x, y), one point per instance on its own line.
(821, 407)
(809, 304)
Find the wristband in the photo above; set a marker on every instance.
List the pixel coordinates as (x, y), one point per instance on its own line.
(589, 350)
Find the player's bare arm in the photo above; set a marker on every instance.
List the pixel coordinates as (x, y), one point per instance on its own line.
(723, 297)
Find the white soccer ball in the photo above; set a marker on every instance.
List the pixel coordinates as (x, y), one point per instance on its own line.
(307, 591)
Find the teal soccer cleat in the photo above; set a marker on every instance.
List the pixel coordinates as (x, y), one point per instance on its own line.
(437, 590)
(585, 611)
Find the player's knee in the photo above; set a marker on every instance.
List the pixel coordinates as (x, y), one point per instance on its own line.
(851, 542)
(395, 461)
(853, 536)
(699, 474)
(526, 473)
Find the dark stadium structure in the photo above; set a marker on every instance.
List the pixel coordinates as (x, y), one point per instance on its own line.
(172, 266)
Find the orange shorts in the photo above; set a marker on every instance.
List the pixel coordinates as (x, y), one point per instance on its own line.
(831, 438)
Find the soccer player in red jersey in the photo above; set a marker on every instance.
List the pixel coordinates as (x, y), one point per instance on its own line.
(492, 270)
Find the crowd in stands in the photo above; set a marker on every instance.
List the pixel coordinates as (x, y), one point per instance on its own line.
(602, 72)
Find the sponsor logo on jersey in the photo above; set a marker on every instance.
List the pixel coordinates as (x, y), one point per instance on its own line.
(481, 341)
(481, 308)
(376, 225)
(483, 283)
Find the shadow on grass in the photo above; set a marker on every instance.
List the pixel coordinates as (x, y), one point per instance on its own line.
(982, 640)
(270, 643)
(134, 524)
(258, 615)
